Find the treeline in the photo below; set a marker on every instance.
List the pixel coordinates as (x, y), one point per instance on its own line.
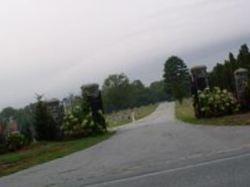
(222, 75)
(120, 93)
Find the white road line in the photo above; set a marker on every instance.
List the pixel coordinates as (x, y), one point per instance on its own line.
(216, 161)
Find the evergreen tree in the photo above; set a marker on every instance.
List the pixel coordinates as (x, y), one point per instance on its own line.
(222, 75)
(177, 78)
(44, 124)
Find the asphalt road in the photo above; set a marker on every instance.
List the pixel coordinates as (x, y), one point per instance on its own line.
(155, 151)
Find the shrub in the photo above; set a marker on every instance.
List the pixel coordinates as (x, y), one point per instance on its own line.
(43, 121)
(3, 148)
(216, 102)
(73, 126)
(15, 141)
(79, 123)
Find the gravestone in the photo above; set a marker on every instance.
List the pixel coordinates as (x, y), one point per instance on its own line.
(241, 84)
(199, 83)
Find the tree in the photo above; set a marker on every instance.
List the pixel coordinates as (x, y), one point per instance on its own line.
(177, 78)
(139, 94)
(8, 113)
(116, 93)
(222, 75)
(44, 124)
(159, 91)
(244, 57)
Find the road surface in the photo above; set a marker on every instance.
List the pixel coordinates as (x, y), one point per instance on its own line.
(155, 151)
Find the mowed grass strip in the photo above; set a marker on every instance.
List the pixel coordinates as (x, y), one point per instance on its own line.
(123, 117)
(45, 151)
(185, 112)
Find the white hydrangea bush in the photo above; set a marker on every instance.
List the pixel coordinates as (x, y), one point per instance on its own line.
(216, 102)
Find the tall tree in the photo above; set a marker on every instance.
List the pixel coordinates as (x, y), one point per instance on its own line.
(43, 121)
(222, 74)
(177, 78)
(159, 91)
(116, 93)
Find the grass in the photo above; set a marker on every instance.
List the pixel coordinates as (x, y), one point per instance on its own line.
(123, 117)
(45, 151)
(185, 112)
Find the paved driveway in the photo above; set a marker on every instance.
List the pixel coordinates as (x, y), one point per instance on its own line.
(156, 143)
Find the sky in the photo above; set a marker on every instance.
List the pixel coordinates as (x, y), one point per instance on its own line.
(53, 47)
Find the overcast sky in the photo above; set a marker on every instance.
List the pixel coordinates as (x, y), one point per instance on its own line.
(55, 46)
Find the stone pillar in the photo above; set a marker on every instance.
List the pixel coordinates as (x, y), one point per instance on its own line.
(93, 96)
(199, 82)
(241, 84)
(56, 109)
(199, 77)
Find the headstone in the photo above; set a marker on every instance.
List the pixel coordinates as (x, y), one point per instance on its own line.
(241, 83)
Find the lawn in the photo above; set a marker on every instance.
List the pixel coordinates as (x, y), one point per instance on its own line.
(185, 112)
(45, 151)
(123, 117)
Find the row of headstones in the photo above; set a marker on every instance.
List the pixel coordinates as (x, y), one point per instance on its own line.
(200, 82)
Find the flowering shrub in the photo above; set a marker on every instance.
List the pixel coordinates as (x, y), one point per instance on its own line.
(73, 126)
(216, 102)
(15, 141)
(78, 123)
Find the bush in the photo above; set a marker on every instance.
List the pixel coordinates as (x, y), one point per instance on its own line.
(3, 148)
(15, 141)
(43, 121)
(79, 123)
(216, 102)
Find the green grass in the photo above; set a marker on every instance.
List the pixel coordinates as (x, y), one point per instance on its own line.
(123, 117)
(185, 112)
(45, 151)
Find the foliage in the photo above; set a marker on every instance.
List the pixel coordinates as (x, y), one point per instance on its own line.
(226, 69)
(44, 124)
(7, 113)
(79, 122)
(177, 78)
(159, 92)
(3, 149)
(217, 102)
(115, 92)
(119, 93)
(185, 112)
(74, 125)
(15, 141)
(24, 118)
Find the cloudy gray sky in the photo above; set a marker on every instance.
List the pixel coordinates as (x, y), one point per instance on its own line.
(55, 46)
